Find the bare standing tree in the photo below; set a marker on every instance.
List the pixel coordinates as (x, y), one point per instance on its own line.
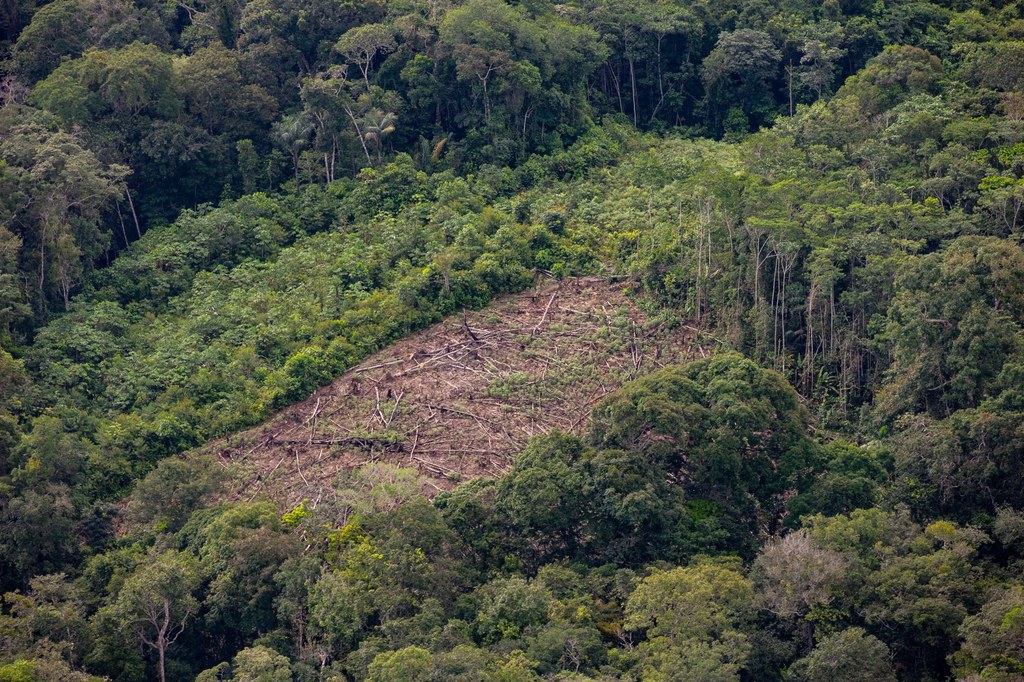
(794, 574)
(156, 602)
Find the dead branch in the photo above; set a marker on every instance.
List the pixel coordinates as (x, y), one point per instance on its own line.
(312, 420)
(279, 462)
(258, 446)
(465, 326)
(380, 364)
(298, 467)
(363, 443)
(547, 309)
(394, 409)
(380, 414)
(458, 452)
(478, 419)
(415, 441)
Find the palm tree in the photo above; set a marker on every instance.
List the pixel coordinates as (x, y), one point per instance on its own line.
(292, 133)
(376, 126)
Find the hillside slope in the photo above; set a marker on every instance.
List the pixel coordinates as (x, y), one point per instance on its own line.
(459, 399)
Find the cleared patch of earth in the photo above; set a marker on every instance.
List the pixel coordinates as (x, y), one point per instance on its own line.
(461, 398)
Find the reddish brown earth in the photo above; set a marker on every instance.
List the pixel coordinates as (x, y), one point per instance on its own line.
(461, 398)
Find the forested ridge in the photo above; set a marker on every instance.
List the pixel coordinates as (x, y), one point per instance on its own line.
(209, 210)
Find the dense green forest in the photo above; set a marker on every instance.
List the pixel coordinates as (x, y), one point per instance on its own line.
(210, 209)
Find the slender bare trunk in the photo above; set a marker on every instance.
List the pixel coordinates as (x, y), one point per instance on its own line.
(359, 133)
(632, 84)
(487, 99)
(135, 216)
(789, 75)
(120, 219)
(162, 641)
(618, 89)
(42, 272)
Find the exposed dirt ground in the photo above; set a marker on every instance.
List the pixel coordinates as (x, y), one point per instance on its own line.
(461, 398)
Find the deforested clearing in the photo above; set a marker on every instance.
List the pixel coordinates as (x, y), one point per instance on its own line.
(460, 399)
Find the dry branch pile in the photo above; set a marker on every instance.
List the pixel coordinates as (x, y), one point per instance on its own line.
(458, 400)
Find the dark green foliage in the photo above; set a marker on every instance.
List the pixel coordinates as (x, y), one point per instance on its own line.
(852, 478)
(991, 643)
(730, 431)
(37, 535)
(58, 29)
(948, 350)
(542, 496)
(850, 656)
(965, 465)
(633, 511)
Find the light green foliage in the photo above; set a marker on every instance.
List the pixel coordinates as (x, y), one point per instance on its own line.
(48, 453)
(571, 647)
(412, 663)
(690, 617)
(19, 671)
(362, 44)
(119, 84)
(169, 494)
(918, 582)
(49, 612)
(938, 340)
(1009, 527)
(260, 664)
(339, 607)
(508, 606)
(516, 667)
(47, 667)
(297, 515)
(377, 488)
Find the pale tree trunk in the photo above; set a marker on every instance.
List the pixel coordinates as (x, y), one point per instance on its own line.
(632, 85)
(120, 219)
(789, 79)
(159, 618)
(359, 133)
(365, 68)
(487, 99)
(161, 640)
(42, 273)
(163, 664)
(135, 216)
(618, 89)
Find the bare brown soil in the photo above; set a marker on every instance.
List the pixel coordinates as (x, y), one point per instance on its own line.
(461, 398)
